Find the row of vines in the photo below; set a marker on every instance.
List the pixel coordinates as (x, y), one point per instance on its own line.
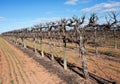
(68, 31)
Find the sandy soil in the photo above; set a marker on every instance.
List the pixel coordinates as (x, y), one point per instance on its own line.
(99, 66)
(17, 68)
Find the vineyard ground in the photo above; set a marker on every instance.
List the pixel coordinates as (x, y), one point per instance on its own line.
(17, 67)
(23, 66)
(98, 66)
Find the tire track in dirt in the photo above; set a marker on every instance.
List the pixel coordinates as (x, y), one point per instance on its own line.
(1, 65)
(28, 74)
(11, 69)
(15, 76)
(20, 64)
(11, 60)
(25, 70)
(16, 69)
(31, 75)
(37, 75)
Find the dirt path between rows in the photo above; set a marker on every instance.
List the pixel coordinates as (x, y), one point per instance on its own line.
(17, 68)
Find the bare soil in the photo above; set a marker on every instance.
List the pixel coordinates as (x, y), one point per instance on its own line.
(100, 66)
(18, 68)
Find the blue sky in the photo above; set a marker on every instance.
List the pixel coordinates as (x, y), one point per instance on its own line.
(16, 14)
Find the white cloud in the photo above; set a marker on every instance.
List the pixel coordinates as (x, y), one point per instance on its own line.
(2, 18)
(103, 7)
(71, 2)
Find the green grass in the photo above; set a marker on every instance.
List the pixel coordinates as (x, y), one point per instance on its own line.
(108, 52)
(11, 82)
(1, 82)
(111, 53)
(59, 52)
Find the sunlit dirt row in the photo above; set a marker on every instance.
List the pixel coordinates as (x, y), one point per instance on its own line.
(17, 68)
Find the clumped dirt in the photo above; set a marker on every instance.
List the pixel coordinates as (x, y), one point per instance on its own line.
(18, 68)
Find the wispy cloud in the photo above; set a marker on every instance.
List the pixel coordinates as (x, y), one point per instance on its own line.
(30, 23)
(85, 1)
(2, 18)
(71, 2)
(45, 20)
(103, 7)
(75, 2)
